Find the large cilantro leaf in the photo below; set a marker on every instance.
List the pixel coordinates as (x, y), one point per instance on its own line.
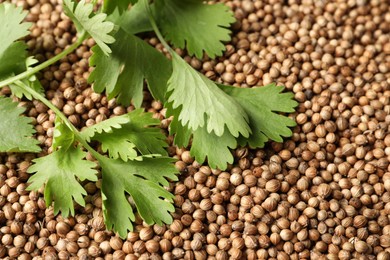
(143, 181)
(122, 73)
(60, 172)
(12, 28)
(196, 25)
(202, 103)
(15, 130)
(94, 25)
(139, 133)
(63, 137)
(261, 104)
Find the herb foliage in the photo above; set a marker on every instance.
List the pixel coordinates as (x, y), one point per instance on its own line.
(216, 118)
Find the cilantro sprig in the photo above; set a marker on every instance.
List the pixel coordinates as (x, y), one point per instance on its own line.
(210, 118)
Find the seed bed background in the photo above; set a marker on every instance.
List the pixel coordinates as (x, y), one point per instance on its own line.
(324, 193)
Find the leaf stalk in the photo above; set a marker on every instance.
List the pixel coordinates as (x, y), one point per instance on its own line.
(58, 113)
(155, 27)
(45, 64)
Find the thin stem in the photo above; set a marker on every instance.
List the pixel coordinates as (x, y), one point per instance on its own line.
(45, 64)
(155, 27)
(50, 105)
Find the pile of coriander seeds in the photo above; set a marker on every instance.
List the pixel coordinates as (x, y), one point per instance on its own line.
(324, 193)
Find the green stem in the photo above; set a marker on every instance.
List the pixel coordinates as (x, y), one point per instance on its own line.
(45, 64)
(50, 105)
(155, 27)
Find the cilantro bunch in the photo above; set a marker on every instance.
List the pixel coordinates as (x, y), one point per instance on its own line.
(213, 118)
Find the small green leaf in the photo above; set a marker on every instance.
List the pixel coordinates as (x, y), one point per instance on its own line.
(139, 133)
(143, 131)
(195, 25)
(261, 104)
(94, 25)
(117, 147)
(202, 103)
(143, 183)
(12, 26)
(122, 73)
(60, 172)
(204, 145)
(63, 137)
(12, 53)
(215, 148)
(15, 130)
(106, 126)
(19, 92)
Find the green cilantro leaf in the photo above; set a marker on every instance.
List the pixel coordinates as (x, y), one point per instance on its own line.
(122, 73)
(31, 82)
(109, 6)
(202, 103)
(19, 92)
(63, 137)
(196, 25)
(115, 9)
(12, 26)
(261, 104)
(116, 148)
(182, 134)
(16, 130)
(143, 181)
(13, 60)
(217, 149)
(136, 20)
(95, 25)
(12, 54)
(59, 172)
(105, 126)
(139, 133)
